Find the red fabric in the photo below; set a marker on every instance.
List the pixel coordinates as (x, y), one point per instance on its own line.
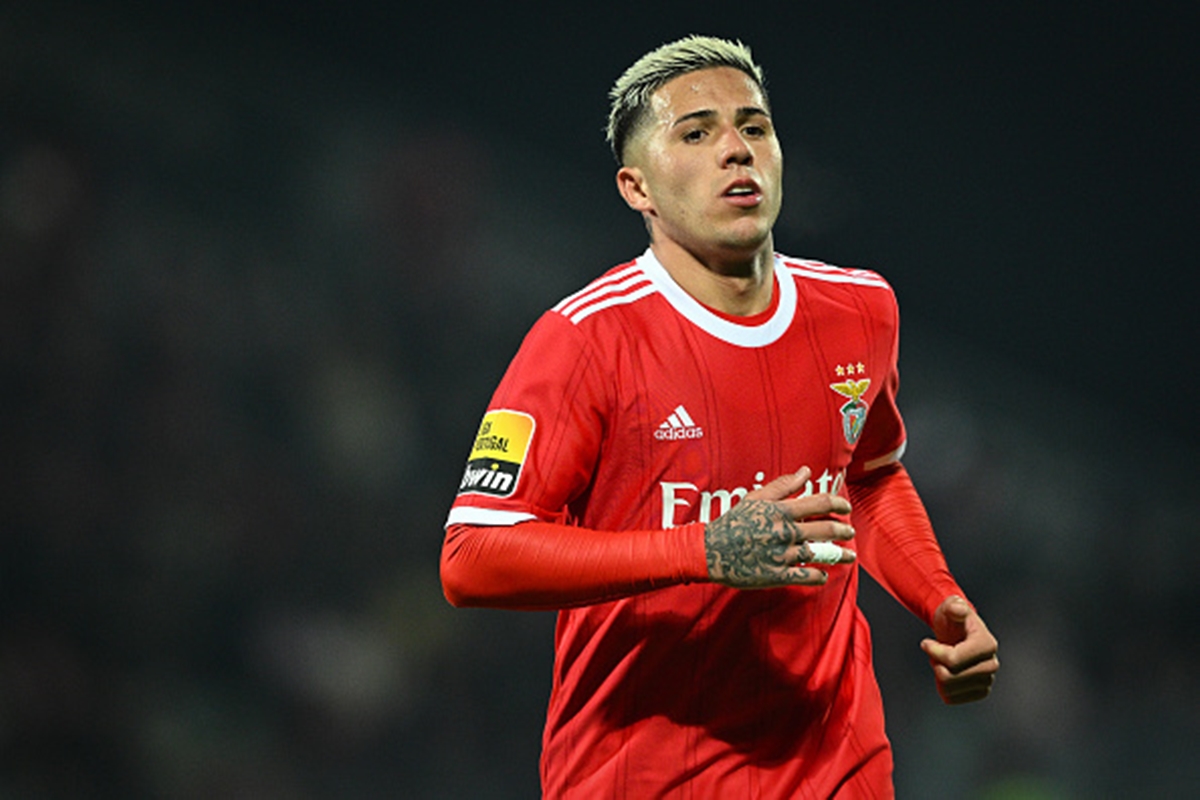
(896, 542)
(630, 417)
(543, 566)
(546, 565)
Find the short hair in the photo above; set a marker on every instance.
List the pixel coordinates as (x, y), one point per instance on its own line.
(630, 95)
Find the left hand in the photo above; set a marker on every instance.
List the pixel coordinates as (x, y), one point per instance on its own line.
(962, 654)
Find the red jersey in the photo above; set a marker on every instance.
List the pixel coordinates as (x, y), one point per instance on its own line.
(631, 406)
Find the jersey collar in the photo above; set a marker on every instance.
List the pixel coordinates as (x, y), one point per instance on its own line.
(713, 324)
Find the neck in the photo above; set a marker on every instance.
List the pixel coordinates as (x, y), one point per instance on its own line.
(740, 285)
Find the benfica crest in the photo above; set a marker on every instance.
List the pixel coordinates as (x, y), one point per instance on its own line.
(854, 413)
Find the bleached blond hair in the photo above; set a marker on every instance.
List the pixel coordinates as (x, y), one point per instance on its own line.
(630, 95)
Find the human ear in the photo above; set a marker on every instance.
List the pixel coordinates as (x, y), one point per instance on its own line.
(631, 184)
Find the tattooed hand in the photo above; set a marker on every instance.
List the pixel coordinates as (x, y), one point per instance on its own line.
(763, 541)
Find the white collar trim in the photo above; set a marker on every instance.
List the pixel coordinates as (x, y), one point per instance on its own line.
(715, 325)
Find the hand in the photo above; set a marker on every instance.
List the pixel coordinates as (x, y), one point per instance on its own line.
(962, 654)
(765, 540)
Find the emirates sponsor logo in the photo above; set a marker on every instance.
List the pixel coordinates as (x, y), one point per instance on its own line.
(679, 425)
(684, 502)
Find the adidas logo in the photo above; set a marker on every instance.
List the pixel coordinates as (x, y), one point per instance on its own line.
(678, 426)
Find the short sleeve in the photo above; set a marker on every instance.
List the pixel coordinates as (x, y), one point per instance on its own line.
(537, 445)
(883, 438)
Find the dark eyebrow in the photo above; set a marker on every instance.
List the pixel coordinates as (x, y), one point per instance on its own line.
(707, 113)
(752, 111)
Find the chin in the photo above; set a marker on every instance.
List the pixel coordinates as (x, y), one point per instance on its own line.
(748, 243)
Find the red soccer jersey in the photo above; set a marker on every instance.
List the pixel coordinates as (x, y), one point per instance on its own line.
(632, 406)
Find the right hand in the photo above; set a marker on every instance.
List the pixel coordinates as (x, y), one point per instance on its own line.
(763, 541)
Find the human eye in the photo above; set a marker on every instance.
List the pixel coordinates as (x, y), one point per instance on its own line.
(693, 135)
(756, 130)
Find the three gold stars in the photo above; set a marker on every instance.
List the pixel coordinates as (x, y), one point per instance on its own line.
(850, 369)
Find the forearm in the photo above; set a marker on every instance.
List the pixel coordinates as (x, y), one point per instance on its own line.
(896, 541)
(543, 565)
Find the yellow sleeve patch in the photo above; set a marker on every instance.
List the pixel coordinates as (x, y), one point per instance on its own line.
(498, 454)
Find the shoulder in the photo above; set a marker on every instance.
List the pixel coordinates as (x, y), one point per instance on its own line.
(817, 280)
(812, 272)
(623, 285)
(585, 322)
(831, 292)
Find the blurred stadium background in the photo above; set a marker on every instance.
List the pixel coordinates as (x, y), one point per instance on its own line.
(261, 266)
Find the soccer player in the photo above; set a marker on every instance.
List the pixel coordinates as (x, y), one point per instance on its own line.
(690, 458)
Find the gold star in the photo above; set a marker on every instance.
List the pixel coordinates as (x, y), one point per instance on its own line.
(841, 371)
(861, 368)
(849, 369)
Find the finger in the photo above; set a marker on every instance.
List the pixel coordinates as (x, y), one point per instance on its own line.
(938, 653)
(958, 609)
(983, 671)
(972, 684)
(965, 688)
(964, 642)
(805, 576)
(815, 505)
(964, 694)
(825, 531)
(825, 553)
(949, 623)
(782, 487)
(957, 659)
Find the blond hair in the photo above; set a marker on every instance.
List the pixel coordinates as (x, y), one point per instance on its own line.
(630, 95)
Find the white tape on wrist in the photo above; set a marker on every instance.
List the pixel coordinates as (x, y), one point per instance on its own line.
(824, 553)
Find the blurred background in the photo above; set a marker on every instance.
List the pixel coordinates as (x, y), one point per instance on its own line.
(261, 266)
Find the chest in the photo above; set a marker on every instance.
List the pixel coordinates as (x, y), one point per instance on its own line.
(704, 421)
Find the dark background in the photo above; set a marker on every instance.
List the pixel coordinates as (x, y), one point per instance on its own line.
(261, 266)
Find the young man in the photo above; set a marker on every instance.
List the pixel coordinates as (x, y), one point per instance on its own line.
(621, 473)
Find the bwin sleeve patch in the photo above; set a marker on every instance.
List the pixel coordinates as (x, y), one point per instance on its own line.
(499, 452)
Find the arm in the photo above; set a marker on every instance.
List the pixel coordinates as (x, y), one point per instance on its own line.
(898, 547)
(547, 565)
(765, 540)
(897, 544)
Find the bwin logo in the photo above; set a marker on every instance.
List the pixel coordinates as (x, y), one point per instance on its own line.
(679, 425)
(495, 479)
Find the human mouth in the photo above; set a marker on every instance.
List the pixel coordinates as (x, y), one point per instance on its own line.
(743, 193)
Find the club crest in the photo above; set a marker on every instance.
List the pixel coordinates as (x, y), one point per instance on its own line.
(854, 413)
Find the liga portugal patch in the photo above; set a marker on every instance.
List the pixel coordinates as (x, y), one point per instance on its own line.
(498, 454)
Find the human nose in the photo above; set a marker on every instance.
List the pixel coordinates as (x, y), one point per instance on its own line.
(735, 150)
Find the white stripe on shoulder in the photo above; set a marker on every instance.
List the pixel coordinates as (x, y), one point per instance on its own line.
(474, 515)
(612, 300)
(884, 460)
(817, 270)
(621, 287)
(599, 284)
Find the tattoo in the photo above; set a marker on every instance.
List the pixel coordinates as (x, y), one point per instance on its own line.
(747, 546)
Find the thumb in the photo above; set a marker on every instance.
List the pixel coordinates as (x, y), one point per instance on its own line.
(949, 621)
(783, 487)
